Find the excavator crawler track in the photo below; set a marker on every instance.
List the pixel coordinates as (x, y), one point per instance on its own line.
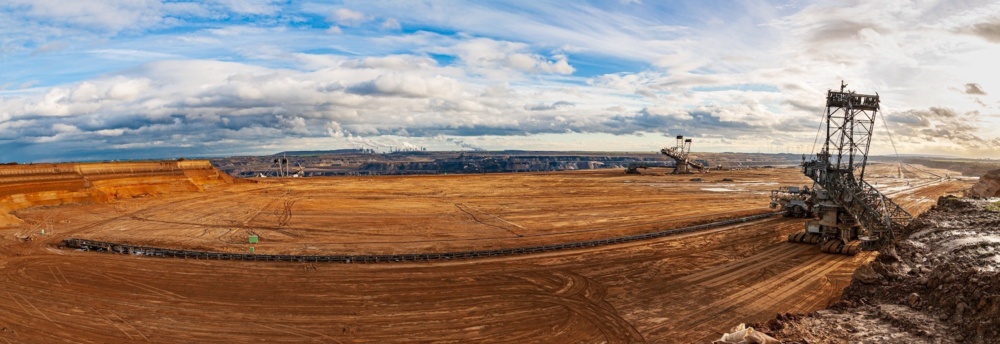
(803, 237)
(839, 247)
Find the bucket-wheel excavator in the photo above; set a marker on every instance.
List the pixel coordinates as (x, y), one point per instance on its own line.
(849, 214)
(683, 160)
(681, 153)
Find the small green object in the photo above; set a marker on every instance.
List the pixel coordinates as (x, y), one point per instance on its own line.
(251, 249)
(253, 239)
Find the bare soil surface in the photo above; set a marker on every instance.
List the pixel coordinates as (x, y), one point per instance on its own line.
(394, 214)
(685, 288)
(939, 284)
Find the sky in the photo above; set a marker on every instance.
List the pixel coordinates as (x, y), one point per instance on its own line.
(147, 79)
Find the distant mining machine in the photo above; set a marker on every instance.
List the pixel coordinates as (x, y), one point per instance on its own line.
(793, 200)
(681, 153)
(849, 215)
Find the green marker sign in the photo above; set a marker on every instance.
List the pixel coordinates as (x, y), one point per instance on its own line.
(253, 239)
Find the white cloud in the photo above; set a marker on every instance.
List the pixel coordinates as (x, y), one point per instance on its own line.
(347, 17)
(393, 62)
(110, 132)
(491, 71)
(65, 128)
(100, 14)
(408, 85)
(487, 55)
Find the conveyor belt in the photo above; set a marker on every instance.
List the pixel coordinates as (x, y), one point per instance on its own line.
(110, 247)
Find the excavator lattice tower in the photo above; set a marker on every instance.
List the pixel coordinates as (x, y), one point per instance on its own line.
(851, 215)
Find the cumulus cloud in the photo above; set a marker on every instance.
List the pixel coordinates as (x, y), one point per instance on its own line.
(406, 85)
(972, 88)
(939, 125)
(486, 55)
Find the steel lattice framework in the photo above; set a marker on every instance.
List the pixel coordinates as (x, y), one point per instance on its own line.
(840, 167)
(850, 118)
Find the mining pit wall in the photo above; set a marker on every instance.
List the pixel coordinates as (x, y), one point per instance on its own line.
(32, 185)
(988, 186)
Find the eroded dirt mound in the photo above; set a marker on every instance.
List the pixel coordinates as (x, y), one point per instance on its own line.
(939, 284)
(988, 185)
(25, 186)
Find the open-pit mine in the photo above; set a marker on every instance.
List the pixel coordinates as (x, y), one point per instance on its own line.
(182, 252)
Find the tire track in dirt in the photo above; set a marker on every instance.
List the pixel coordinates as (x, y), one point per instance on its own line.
(738, 273)
(584, 297)
(126, 327)
(468, 211)
(762, 295)
(548, 290)
(715, 276)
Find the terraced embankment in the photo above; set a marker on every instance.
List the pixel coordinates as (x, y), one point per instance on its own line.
(25, 186)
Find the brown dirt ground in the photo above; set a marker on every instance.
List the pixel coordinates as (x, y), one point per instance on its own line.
(685, 288)
(939, 284)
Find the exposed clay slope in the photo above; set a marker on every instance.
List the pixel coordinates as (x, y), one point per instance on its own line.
(25, 186)
(988, 185)
(940, 284)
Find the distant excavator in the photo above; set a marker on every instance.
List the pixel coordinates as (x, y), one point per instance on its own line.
(849, 215)
(681, 153)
